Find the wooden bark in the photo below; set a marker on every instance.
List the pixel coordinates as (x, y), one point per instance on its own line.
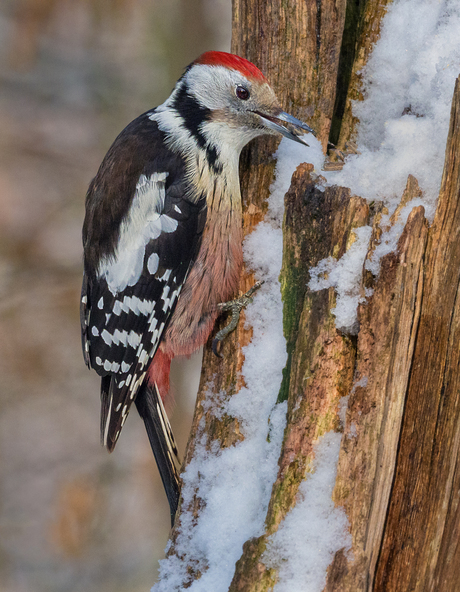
(419, 543)
(297, 46)
(398, 476)
(362, 30)
(275, 39)
(398, 472)
(321, 361)
(388, 326)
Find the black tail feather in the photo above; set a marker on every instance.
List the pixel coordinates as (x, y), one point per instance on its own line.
(105, 410)
(150, 408)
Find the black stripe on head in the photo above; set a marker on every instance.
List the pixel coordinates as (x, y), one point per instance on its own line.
(192, 113)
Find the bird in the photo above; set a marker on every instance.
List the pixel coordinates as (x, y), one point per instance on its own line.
(162, 240)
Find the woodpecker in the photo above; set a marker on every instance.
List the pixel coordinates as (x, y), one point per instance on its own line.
(162, 239)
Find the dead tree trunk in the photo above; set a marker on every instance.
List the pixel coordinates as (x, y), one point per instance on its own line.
(398, 472)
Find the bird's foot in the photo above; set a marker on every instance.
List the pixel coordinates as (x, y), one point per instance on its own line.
(235, 306)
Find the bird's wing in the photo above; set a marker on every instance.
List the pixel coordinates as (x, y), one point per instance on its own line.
(129, 296)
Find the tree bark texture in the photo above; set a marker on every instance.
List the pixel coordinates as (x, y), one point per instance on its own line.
(419, 550)
(398, 473)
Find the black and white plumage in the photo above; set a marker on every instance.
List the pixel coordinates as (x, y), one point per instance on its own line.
(139, 252)
(162, 239)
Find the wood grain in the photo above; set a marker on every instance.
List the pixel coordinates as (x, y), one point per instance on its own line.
(388, 327)
(419, 543)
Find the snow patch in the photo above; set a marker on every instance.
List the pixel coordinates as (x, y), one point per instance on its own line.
(408, 85)
(362, 382)
(288, 157)
(314, 530)
(344, 275)
(389, 239)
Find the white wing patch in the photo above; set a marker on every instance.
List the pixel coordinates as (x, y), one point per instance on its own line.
(144, 222)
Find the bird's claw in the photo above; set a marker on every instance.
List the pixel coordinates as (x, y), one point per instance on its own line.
(235, 306)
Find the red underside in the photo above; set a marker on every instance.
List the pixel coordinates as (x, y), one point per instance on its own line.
(158, 373)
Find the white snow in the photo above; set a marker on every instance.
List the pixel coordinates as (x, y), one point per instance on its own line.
(404, 119)
(345, 276)
(288, 156)
(235, 483)
(408, 85)
(314, 530)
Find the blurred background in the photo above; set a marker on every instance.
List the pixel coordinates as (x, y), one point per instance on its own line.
(73, 73)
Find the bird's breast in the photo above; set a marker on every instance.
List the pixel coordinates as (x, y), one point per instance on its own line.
(214, 276)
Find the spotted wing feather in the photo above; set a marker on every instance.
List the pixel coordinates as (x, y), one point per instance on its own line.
(135, 263)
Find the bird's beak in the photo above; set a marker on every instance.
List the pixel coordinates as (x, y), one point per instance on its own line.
(274, 122)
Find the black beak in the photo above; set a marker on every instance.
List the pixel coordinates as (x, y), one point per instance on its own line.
(271, 121)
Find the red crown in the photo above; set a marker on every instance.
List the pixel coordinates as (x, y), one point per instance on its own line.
(229, 60)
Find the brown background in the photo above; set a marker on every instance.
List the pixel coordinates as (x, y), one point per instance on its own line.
(73, 73)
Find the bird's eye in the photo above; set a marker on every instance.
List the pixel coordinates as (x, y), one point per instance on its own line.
(242, 93)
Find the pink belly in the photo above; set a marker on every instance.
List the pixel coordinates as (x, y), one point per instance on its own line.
(213, 279)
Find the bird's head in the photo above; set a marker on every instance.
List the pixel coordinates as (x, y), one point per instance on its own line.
(223, 98)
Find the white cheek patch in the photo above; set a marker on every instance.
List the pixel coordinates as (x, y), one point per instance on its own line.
(144, 223)
(212, 85)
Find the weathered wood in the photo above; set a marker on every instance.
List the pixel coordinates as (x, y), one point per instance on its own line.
(398, 473)
(319, 372)
(417, 551)
(362, 31)
(388, 326)
(297, 46)
(318, 224)
(306, 39)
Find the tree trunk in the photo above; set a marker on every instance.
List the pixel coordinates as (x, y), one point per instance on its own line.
(398, 473)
